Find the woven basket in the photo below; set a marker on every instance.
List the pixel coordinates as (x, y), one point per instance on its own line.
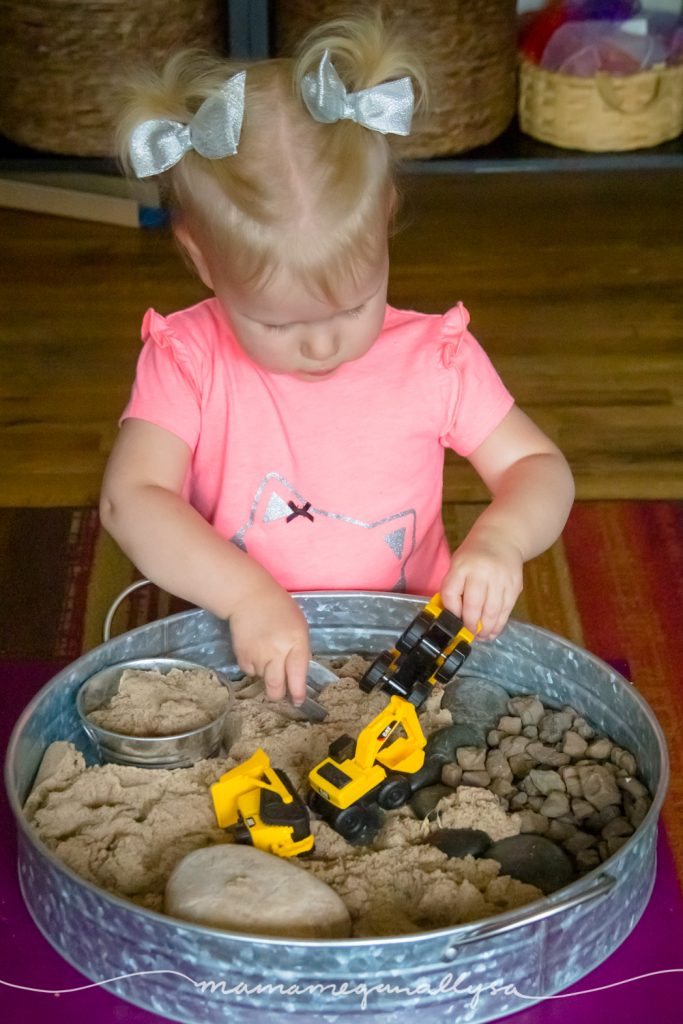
(58, 59)
(469, 51)
(604, 112)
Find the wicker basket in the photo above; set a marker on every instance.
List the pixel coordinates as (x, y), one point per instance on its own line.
(469, 50)
(58, 59)
(604, 112)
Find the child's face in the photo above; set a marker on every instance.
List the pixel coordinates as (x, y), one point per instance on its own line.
(283, 328)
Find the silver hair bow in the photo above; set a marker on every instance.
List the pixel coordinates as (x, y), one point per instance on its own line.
(213, 132)
(386, 108)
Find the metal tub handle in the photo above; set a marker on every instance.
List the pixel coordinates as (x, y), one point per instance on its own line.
(599, 888)
(116, 604)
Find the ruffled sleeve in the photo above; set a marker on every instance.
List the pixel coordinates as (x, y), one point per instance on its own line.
(475, 398)
(167, 386)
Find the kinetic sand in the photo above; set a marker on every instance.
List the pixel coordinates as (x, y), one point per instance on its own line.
(125, 828)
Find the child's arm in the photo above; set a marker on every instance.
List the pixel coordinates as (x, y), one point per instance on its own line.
(169, 541)
(533, 491)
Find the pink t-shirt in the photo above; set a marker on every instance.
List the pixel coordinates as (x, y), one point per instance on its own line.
(332, 485)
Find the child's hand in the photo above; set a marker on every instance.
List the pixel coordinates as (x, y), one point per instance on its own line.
(483, 582)
(270, 639)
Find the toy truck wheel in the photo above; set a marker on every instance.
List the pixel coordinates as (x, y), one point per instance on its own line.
(394, 793)
(376, 674)
(349, 821)
(452, 663)
(241, 834)
(412, 635)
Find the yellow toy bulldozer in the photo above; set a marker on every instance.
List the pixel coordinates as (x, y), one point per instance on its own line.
(430, 650)
(260, 806)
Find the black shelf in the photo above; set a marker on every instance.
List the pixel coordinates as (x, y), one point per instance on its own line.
(510, 152)
(515, 151)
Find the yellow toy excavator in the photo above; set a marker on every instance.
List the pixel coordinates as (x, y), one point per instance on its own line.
(374, 769)
(377, 768)
(260, 806)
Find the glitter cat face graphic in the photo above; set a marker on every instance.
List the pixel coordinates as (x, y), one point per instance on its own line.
(352, 548)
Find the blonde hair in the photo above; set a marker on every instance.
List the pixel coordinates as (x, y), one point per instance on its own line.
(314, 198)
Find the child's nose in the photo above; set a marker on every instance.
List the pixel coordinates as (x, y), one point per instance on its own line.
(320, 344)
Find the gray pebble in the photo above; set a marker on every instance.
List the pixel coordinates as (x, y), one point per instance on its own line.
(497, 765)
(482, 779)
(528, 786)
(634, 787)
(510, 725)
(640, 808)
(502, 788)
(494, 737)
(554, 725)
(617, 827)
(533, 859)
(451, 775)
(581, 726)
(555, 805)
(543, 754)
(624, 759)
(511, 745)
(560, 831)
(518, 801)
(528, 708)
(530, 731)
(581, 809)
(597, 821)
(599, 749)
(588, 859)
(579, 841)
(471, 759)
(532, 821)
(570, 776)
(520, 765)
(546, 781)
(599, 786)
(573, 744)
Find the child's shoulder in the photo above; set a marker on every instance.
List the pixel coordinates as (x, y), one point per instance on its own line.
(440, 326)
(201, 324)
(435, 336)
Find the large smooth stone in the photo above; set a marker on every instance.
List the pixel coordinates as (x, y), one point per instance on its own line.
(440, 750)
(425, 800)
(243, 889)
(460, 842)
(477, 702)
(533, 859)
(445, 742)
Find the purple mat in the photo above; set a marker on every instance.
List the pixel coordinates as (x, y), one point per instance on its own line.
(641, 981)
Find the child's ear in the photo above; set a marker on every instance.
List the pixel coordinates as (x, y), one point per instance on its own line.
(193, 254)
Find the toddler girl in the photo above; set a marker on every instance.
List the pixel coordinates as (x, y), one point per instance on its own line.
(289, 432)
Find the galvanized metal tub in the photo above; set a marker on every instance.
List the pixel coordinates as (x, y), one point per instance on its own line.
(469, 973)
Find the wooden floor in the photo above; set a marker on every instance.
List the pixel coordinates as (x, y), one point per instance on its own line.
(574, 283)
